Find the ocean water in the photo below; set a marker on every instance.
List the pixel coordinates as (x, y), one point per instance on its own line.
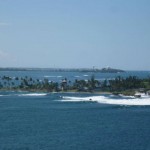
(58, 76)
(73, 121)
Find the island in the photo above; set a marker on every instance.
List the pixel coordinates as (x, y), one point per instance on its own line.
(126, 86)
(103, 70)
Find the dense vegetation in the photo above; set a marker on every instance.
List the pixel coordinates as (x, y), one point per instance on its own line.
(117, 85)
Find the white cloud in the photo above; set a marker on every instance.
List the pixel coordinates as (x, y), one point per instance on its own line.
(3, 55)
(7, 59)
(4, 24)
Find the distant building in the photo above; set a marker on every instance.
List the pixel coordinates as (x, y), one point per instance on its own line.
(64, 84)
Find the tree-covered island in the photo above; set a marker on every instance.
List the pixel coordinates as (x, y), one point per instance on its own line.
(119, 85)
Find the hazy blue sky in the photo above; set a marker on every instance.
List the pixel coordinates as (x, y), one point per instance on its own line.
(75, 33)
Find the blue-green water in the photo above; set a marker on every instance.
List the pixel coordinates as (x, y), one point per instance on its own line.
(43, 121)
(58, 76)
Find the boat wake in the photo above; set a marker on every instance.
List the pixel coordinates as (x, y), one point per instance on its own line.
(33, 94)
(120, 100)
(24, 94)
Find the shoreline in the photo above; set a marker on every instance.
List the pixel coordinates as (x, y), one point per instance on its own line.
(45, 91)
(123, 93)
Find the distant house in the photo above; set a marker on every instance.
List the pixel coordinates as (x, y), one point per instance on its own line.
(64, 84)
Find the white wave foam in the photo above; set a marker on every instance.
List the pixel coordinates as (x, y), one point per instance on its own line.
(77, 76)
(76, 99)
(50, 76)
(123, 96)
(85, 75)
(6, 95)
(108, 100)
(33, 94)
(59, 76)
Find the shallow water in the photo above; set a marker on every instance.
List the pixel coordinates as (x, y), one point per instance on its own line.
(44, 121)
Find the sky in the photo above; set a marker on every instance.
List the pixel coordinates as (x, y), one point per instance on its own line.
(75, 34)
